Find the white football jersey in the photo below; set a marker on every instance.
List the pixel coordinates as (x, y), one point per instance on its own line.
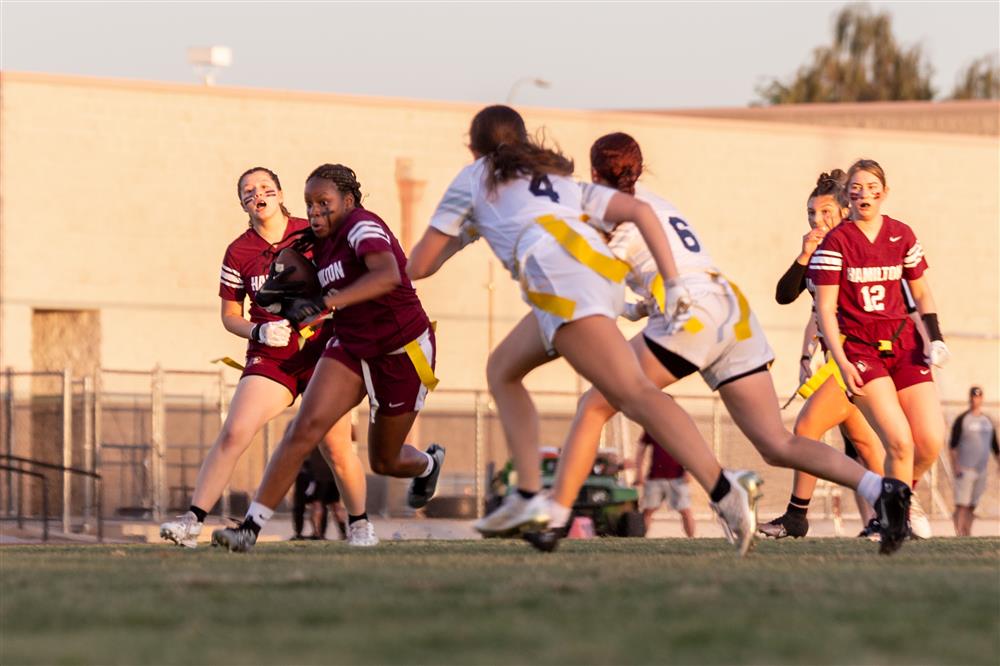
(506, 216)
(689, 253)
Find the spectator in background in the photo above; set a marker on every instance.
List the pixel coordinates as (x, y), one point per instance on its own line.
(973, 436)
(666, 481)
(316, 489)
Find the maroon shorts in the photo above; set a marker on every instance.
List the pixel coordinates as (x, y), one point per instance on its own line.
(906, 367)
(293, 372)
(393, 385)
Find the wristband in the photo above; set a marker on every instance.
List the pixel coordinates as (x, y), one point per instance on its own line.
(805, 357)
(933, 327)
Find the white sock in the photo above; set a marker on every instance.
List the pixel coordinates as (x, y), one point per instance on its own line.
(260, 513)
(558, 514)
(430, 466)
(870, 487)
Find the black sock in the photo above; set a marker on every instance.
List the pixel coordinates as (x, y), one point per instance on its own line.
(353, 519)
(798, 505)
(526, 494)
(249, 523)
(720, 489)
(198, 513)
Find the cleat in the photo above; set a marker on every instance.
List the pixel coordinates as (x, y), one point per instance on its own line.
(239, 539)
(872, 531)
(920, 524)
(183, 531)
(546, 540)
(361, 534)
(514, 516)
(422, 489)
(892, 508)
(738, 509)
(794, 525)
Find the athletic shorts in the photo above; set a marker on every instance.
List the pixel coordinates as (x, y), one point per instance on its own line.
(723, 340)
(676, 492)
(560, 289)
(392, 381)
(970, 483)
(294, 371)
(906, 367)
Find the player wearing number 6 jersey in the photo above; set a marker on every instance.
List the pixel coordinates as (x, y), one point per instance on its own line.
(857, 271)
(721, 339)
(519, 196)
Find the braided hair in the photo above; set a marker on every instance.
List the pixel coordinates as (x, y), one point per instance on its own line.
(343, 177)
(271, 174)
(617, 159)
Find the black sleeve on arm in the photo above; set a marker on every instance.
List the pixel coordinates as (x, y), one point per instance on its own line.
(956, 431)
(791, 284)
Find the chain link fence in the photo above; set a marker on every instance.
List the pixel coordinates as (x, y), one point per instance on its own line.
(146, 433)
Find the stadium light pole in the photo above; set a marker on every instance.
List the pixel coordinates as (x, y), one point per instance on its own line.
(516, 86)
(207, 60)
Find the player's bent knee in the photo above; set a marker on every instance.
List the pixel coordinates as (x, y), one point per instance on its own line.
(592, 402)
(383, 466)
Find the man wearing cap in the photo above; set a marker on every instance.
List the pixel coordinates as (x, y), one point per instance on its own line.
(973, 436)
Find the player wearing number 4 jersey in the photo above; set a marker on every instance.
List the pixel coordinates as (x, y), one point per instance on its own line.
(857, 271)
(719, 337)
(519, 197)
(277, 368)
(382, 347)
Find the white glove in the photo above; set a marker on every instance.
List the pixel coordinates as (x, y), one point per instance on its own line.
(273, 333)
(678, 301)
(637, 310)
(939, 355)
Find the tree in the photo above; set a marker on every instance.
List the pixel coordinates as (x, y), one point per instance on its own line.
(980, 80)
(864, 64)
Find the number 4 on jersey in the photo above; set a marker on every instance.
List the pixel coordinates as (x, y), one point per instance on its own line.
(541, 186)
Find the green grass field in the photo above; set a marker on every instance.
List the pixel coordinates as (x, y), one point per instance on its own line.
(609, 601)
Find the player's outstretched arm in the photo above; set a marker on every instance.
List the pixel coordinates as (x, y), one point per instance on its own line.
(430, 253)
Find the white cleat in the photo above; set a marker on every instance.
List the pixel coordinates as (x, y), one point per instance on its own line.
(183, 531)
(738, 509)
(515, 515)
(361, 533)
(920, 524)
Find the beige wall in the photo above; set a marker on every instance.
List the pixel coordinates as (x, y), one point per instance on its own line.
(120, 197)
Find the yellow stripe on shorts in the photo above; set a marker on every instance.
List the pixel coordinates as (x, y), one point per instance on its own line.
(580, 249)
(742, 327)
(555, 305)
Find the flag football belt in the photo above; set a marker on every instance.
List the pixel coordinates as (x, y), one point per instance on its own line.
(578, 247)
(884, 347)
(827, 370)
(420, 363)
(693, 325)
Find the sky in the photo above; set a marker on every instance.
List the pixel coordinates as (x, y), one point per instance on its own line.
(594, 54)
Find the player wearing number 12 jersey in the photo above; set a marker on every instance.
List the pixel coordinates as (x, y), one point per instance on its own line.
(857, 272)
(720, 338)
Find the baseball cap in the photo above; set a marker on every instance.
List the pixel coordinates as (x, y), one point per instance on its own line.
(975, 390)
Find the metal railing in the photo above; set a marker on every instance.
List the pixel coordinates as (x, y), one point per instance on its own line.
(66, 517)
(21, 473)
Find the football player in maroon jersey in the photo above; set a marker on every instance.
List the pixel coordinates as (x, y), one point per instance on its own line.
(276, 369)
(857, 271)
(382, 346)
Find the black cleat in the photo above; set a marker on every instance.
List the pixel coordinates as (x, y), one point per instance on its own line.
(422, 489)
(893, 511)
(545, 541)
(872, 531)
(239, 539)
(786, 525)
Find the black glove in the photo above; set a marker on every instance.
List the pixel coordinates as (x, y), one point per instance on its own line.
(299, 310)
(277, 288)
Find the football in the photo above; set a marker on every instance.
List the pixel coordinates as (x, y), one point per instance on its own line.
(291, 275)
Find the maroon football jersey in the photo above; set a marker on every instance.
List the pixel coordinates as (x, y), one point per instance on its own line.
(244, 269)
(871, 298)
(663, 465)
(383, 324)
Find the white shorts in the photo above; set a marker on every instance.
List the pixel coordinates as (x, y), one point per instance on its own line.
(723, 339)
(560, 289)
(675, 492)
(969, 487)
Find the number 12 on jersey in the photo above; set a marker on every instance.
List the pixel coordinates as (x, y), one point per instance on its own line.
(873, 296)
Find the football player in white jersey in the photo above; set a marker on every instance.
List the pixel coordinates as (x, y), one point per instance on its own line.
(721, 339)
(519, 196)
